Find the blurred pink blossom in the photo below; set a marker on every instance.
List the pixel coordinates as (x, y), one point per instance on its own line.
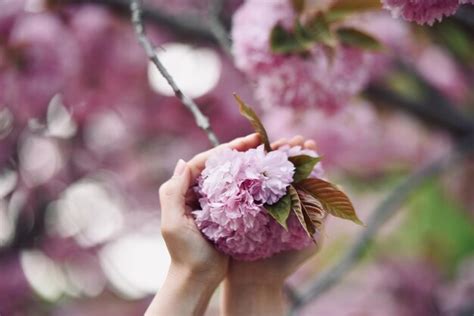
(423, 11)
(14, 288)
(37, 67)
(458, 296)
(446, 76)
(294, 81)
(360, 140)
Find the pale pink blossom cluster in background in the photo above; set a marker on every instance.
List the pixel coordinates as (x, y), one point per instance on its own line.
(294, 81)
(447, 76)
(423, 11)
(233, 189)
(359, 140)
(326, 83)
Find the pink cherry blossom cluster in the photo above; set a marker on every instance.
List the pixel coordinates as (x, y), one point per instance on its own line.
(316, 80)
(423, 11)
(233, 189)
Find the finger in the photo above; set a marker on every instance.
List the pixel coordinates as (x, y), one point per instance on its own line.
(245, 143)
(173, 193)
(198, 163)
(296, 141)
(279, 143)
(310, 144)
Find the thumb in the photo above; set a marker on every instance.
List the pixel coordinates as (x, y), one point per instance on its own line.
(173, 192)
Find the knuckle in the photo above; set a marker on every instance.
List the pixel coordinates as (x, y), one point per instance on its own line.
(165, 231)
(166, 190)
(168, 231)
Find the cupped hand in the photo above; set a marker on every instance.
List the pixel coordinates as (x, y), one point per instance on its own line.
(274, 270)
(190, 252)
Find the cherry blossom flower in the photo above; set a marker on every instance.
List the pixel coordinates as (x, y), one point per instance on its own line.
(234, 187)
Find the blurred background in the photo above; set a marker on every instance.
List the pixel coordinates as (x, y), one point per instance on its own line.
(89, 130)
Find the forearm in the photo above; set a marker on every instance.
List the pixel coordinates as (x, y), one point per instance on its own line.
(252, 299)
(182, 294)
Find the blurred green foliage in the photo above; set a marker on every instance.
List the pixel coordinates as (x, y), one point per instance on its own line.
(436, 226)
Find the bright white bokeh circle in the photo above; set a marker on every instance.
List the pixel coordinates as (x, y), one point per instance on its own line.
(43, 275)
(136, 264)
(195, 70)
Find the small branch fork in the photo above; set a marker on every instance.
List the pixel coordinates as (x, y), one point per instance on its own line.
(201, 120)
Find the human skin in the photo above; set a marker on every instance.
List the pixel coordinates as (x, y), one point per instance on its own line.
(197, 268)
(256, 287)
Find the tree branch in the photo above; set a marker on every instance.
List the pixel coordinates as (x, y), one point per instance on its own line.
(465, 16)
(185, 25)
(447, 119)
(217, 28)
(201, 120)
(386, 209)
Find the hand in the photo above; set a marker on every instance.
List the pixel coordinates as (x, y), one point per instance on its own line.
(255, 287)
(189, 250)
(196, 266)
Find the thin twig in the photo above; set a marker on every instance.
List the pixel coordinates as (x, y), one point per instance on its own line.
(201, 120)
(216, 26)
(385, 210)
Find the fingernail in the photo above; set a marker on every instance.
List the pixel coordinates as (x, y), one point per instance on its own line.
(179, 169)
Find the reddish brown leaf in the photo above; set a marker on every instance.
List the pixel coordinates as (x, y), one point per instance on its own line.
(298, 5)
(334, 201)
(313, 208)
(248, 113)
(297, 209)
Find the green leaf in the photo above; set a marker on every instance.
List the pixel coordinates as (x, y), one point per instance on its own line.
(303, 36)
(353, 37)
(313, 208)
(430, 209)
(298, 210)
(248, 113)
(280, 210)
(356, 5)
(304, 164)
(285, 42)
(340, 9)
(316, 29)
(334, 201)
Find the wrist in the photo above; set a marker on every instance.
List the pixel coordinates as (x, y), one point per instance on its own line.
(247, 274)
(262, 289)
(183, 293)
(193, 276)
(252, 298)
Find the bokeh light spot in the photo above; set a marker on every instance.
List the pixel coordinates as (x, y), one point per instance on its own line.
(44, 276)
(195, 70)
(136, 264)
